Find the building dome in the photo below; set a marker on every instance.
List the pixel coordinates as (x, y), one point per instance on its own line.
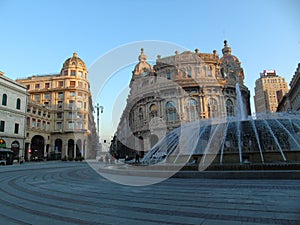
(143, 67)
(230, 64)
(74, 62)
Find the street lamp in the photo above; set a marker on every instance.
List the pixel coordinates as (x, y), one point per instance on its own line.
(99, 109)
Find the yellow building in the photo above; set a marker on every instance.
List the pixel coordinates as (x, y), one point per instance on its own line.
(269, 90)
(65, 101)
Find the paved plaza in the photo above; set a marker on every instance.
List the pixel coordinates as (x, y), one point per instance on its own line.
(73, 193)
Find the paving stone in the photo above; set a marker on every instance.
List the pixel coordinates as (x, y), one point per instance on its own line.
(73, 193)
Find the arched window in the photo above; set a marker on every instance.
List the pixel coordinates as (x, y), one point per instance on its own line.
(171, 113)
(153, 111)
(168, 74)
(192, 110)
(229, 108)
(141, 116)
(212, 108)
(4, 99)
(18, 105)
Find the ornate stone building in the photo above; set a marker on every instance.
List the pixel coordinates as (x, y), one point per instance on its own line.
(60, 112)
(269, 91)
(13, 100)
(185, 87)
(291, 101)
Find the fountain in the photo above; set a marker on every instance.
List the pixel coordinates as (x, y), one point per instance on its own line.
(260, 139)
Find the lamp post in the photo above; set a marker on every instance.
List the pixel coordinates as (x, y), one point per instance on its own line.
(99, 107)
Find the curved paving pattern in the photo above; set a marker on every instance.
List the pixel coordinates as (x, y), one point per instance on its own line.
(72, 193)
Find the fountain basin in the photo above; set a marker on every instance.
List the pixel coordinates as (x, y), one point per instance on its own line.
(269, 138)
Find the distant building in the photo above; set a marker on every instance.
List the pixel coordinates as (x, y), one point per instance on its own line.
(60, 113)
(269, 91)
(13, 103)
(291, 101)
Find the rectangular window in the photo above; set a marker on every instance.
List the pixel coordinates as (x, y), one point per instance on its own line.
(71, 104)
(60, 95)
(72, 83)
(48, 126)
(37, 97)
(71, 115)
(80, 84)
(47, 95)
(72, 93)
(73, 73)
(58, 125)
(80, 73)
(47, 85)
(33, 123)
(59, 115)
(2, 126)
(79, 105)
(28, 86)
(71, 125)
(16, 128)
(38, 123)
(79, 94)
(59, 104)
(28, 122)
(66, 72)
(60, 83)
(79, 125)
(37, 86)
(85, 105)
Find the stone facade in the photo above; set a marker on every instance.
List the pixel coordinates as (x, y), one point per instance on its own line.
(65, 100)
(185, 87)
(13, 97)
(269, 91)
(291, 101)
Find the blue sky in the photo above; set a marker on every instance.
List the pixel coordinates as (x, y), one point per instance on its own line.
(37, 36)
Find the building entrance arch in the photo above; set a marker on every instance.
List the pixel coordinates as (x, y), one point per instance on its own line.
(71, 148)
(78, 148)
(37, 147)
(15, 147)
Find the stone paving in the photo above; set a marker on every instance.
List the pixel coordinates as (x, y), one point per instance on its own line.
(73, 193)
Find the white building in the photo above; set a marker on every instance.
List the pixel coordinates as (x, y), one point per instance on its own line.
(13, 104)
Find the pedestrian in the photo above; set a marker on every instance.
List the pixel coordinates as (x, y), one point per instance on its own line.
(106, 159)
(137, 157)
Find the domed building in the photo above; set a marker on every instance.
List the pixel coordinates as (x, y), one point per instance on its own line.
(181, 88)
(70, 129)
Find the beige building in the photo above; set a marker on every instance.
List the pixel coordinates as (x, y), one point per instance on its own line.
(13, 103)
(178, 89)
(269, 91)
(60, 112)
(291, 101)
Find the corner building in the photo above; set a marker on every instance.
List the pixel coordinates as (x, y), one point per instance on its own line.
(67, 96)
(185, 87)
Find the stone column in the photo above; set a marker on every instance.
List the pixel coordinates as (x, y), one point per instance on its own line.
(81, 148)
(74, 151)
(67, 154)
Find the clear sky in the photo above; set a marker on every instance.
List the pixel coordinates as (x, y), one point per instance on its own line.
(37, 36)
